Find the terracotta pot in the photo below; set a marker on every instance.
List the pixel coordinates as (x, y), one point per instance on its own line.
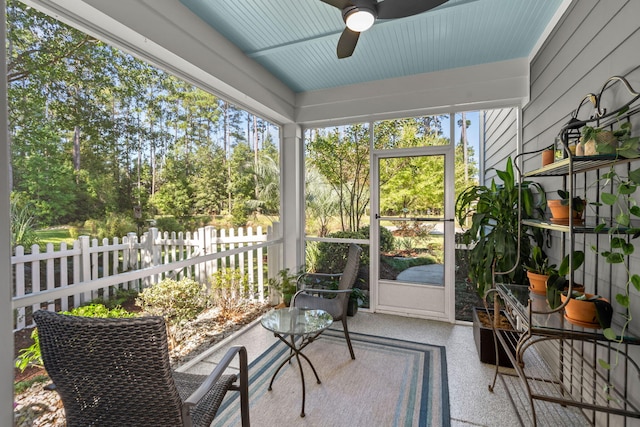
(537, 283)
(548, 157)
(581, 312)
(560, 212)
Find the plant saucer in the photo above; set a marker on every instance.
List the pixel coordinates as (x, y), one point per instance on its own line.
(591, 325)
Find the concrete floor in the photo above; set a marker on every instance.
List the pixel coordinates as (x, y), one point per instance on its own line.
(468, 377)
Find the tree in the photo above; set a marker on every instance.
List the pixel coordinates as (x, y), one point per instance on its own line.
(321, 200)
(342, 157)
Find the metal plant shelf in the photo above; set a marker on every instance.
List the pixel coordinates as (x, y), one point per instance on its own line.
(572, 370)
(580, 164)
(519, 300)
(587, 227)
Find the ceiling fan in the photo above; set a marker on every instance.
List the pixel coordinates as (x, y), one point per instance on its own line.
(359, 16)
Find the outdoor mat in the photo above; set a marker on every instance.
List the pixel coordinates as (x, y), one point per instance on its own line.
(391, 383)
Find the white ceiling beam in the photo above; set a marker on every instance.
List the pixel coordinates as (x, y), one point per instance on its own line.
(493, 85)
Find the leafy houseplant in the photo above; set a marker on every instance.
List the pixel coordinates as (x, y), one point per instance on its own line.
(285, 284)
(587, 310)
(498, 245)
(618, 142)
(557, 284)
(355, 297)
(596, 140)
(539, 270)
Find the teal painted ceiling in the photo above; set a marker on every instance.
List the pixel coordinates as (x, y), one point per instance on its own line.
(296, 39)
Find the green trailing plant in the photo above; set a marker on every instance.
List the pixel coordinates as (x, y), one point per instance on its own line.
(618, 142)
(494, 231)
(31, 355)
(621, 233)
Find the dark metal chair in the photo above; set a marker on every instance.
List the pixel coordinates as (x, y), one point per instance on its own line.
(315, 294)
(116, 372)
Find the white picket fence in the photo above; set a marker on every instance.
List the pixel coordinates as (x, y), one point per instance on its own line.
(69, 277)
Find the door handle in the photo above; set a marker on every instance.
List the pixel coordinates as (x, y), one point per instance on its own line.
(392, 218)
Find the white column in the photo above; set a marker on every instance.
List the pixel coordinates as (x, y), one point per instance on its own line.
(6, 316)
(292, 196)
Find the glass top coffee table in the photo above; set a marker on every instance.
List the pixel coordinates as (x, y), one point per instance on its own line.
(295, 323)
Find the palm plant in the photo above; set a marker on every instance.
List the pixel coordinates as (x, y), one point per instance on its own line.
(500, 247)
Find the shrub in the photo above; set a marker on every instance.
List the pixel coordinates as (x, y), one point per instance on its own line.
(117, 225)
(169, 224)
(229, 287)
(176, 301)
(32, 356)
(240, 212)
(92, 225)
(74, 232)
(332, 257)
(195, 222)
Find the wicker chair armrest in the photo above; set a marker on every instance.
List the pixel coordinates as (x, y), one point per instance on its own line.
(325, 291)
(215, 375)
(334, 292)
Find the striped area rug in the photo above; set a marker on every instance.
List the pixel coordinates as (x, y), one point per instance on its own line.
(391, 383)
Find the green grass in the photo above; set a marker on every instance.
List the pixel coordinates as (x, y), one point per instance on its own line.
(55, 236)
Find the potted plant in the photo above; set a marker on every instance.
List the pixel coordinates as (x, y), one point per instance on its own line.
(498, 245)
(548, 155)
(560, 208)
(557, 282)
(355, 297)
(538, 271)
(594, 140)
(285, 285)
(587, 310)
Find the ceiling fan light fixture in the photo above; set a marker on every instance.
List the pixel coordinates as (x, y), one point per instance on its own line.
(359, 19)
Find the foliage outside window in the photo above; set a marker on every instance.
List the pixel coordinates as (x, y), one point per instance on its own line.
(95, 131)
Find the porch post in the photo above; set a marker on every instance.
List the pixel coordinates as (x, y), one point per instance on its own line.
(292, 196)
(6, 314)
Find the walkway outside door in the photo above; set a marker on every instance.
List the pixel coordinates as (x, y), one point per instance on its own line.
(413, 198)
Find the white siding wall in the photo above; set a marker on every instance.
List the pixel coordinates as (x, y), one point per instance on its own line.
(499, 138)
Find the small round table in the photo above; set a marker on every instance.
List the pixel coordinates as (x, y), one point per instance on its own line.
(297, 322)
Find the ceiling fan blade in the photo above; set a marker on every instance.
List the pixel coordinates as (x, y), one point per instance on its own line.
(340, 4)
(390, 9)
(347, 43)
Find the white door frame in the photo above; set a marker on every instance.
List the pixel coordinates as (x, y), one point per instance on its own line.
(448, 294)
